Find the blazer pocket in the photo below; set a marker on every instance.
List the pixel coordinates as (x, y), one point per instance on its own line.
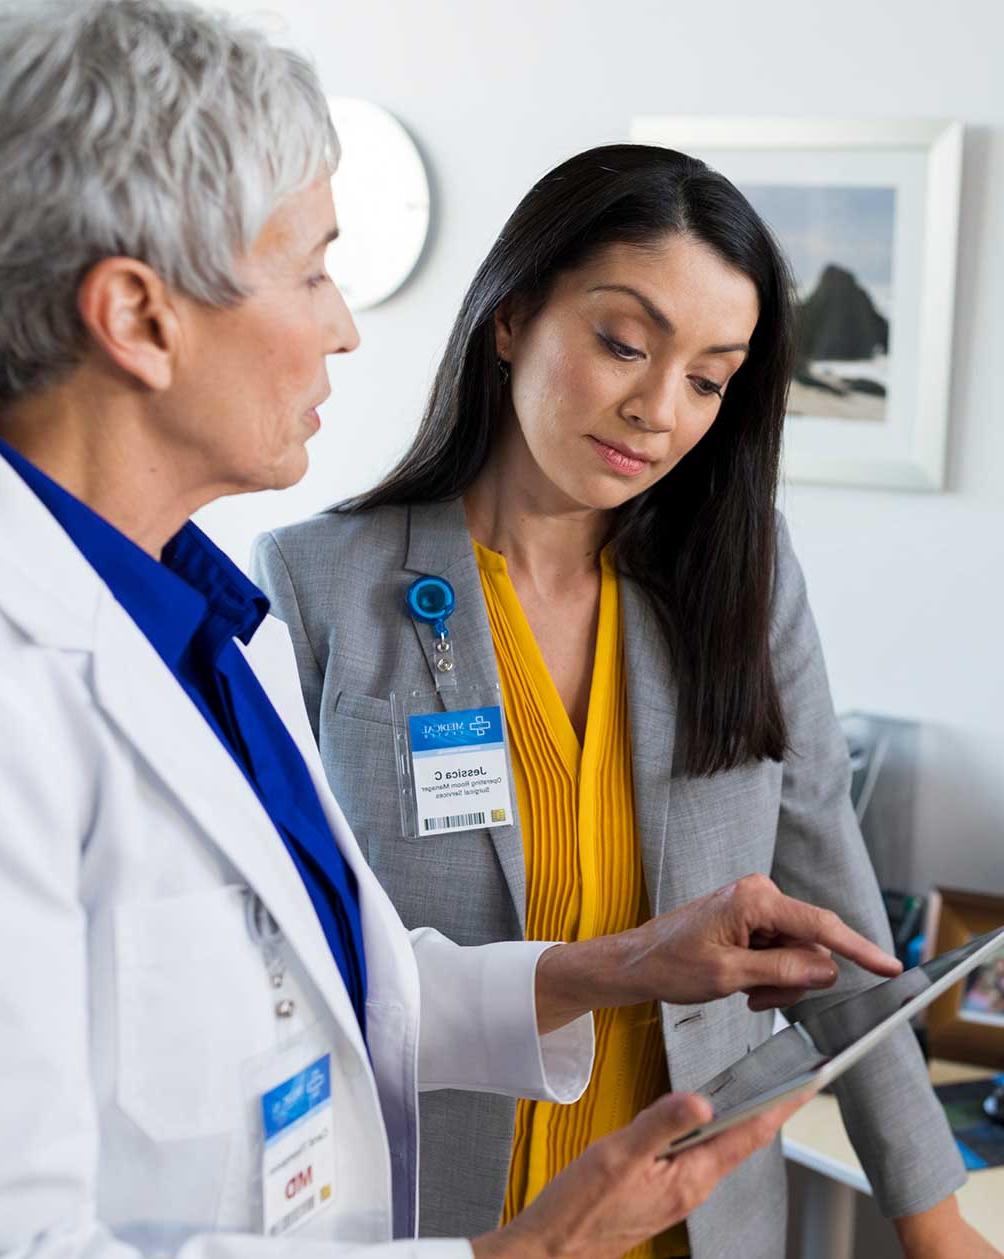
(363, 708)
(194, 1005)
(359, 750)
(360, 761)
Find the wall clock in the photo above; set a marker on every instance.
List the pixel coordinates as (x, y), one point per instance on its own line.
(381, 196)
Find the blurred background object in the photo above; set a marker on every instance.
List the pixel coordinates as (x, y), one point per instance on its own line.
(966, 1024)
(883, 753)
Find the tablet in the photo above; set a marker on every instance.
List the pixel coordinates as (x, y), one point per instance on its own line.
(815, 1050)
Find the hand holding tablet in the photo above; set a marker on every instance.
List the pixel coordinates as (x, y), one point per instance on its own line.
(621, 1192)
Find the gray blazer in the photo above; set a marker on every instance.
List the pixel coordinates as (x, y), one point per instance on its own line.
(339, 582)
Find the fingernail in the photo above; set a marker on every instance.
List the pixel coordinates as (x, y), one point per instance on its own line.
(822, 978)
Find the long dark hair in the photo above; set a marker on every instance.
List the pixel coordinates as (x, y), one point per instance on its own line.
(701, 541)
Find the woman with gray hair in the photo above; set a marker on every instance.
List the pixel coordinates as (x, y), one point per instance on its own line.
(211, 1009)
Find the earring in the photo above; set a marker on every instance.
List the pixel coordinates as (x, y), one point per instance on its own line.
(503, 371)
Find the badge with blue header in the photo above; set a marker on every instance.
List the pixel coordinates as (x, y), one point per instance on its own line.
(298, 1153)
(452, 765)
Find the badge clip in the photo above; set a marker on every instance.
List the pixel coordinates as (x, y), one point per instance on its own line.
(431, 601)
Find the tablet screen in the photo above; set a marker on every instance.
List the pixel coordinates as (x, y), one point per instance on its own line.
(814, 1040)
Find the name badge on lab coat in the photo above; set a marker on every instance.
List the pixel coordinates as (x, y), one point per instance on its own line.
(298, 1153)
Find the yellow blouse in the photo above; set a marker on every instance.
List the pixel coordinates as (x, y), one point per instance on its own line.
(583, 874)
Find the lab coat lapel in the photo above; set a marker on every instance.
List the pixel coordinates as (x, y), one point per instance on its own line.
(46, 587)
(439, 545)
(145, 701)
(392, 1000)
(270, 654)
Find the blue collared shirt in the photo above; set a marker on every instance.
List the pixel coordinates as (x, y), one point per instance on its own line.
(191, 607)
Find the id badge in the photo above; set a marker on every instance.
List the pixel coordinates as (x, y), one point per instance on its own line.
(453, 767)
(298, 1155)
(289, 1091)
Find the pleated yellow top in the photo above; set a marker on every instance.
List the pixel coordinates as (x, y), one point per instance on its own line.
(583, 874)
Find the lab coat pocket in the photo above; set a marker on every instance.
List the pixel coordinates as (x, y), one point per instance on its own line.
(193, 1004)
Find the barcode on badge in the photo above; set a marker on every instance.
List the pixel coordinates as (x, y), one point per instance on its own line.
(297, 1214)
(455, 819)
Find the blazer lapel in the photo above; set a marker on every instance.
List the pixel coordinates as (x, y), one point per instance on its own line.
(652, 707)
(145, 701)
(439, 545)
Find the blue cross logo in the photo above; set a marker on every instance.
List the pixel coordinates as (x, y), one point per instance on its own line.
(479, 726)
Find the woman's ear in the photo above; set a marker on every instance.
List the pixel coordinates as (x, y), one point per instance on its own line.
(127, 309)
(505, 329)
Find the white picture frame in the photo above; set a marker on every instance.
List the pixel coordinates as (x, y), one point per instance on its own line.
(919, 163)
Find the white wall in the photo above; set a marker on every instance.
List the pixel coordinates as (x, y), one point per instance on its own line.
(908, 590)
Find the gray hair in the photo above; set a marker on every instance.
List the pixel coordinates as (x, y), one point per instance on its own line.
(144, 128)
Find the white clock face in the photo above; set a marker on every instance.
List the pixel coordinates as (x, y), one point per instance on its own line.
(382, 202)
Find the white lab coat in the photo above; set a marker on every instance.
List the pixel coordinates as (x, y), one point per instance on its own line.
(135, 1006)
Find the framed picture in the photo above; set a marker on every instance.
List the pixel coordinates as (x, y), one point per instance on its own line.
(867, 214)
(967, 1023)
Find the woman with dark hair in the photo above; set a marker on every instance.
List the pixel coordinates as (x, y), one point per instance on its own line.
(595, 476)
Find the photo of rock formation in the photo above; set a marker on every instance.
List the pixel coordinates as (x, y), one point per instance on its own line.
(839, 243)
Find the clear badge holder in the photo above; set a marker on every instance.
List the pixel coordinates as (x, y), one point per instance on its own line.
(452, 765)
(288, 1106)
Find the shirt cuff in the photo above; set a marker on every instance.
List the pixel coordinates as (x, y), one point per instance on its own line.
(479, 1023)
(555, 1067)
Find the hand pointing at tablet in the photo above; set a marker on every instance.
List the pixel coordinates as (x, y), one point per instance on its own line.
(745, 937)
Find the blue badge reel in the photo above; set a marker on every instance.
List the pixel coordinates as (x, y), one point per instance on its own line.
(452, 752)
(431, 601)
